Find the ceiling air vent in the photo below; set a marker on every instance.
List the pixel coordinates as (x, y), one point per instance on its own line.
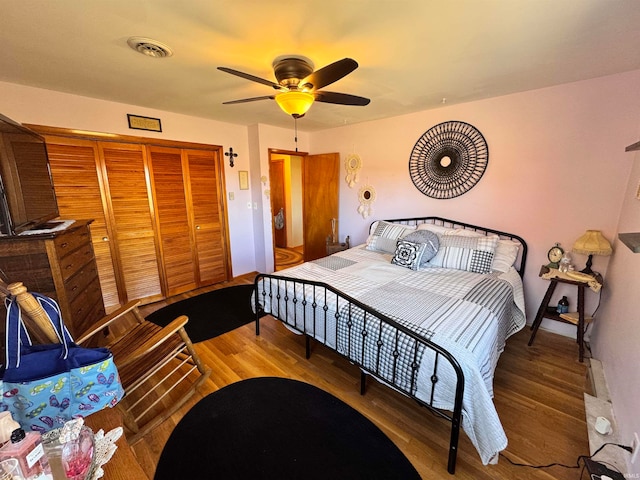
(150, 47)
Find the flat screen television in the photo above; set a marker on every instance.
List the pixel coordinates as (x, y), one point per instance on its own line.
(27, 197)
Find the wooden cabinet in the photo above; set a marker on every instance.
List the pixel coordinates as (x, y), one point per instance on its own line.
(190, 217)
(160, 218)
(208, 218)
(130, 225)
(60, 265)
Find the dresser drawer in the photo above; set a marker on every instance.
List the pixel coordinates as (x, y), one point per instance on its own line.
(77, 283)
(86, 309)
(73, 262)
(67, 243)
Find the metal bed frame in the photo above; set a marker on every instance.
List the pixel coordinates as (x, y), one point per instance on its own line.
(306, 293)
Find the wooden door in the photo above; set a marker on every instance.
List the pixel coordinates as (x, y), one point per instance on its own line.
(131, 221)
(172, 219)
(320, 190)
(78, 185)
(207, 199)
(278, 202)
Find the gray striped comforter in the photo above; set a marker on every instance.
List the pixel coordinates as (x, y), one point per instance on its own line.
(468, 314)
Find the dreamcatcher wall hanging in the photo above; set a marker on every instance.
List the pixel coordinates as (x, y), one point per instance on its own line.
(352, 164)
(366, 197)
(448, 160)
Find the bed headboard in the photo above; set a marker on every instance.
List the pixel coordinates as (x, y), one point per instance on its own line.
(444, 222)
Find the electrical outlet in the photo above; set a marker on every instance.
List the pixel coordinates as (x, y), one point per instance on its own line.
(635, 446)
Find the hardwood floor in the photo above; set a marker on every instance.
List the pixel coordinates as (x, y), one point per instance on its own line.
(538, 395)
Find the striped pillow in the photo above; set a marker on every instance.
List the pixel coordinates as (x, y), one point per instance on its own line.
(473, 254)
(385, 235)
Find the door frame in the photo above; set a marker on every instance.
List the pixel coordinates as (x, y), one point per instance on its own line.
(272, 153)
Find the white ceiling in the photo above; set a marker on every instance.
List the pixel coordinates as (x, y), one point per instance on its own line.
(412, 53)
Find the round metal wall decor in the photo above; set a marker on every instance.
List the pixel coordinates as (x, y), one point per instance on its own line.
(448, 160)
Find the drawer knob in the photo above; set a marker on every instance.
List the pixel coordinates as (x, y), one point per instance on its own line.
(197, 227)
(63, 245)
(105, 239)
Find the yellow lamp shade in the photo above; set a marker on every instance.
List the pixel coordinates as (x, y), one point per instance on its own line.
(295, 103)
(592, 242)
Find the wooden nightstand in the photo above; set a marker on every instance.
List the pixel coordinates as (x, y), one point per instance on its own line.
(333, 247)
(575, 318)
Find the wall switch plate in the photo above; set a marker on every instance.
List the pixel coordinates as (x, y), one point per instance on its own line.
(232, 196)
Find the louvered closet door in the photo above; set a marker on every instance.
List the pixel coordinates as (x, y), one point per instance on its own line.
(172, 217)
(207, 202)
(78, 190)
(132, 232)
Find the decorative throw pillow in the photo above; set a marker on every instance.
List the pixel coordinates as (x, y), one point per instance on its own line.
(505, 255)
(384, 236)
(429, 238)
(473, 254)
(408, 254)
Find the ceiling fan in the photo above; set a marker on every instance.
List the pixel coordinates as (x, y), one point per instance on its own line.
(299, 85)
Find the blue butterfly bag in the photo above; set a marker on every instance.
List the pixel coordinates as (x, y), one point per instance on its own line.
(43, 386)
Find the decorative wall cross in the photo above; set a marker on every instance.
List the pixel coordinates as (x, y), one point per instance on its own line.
(231, 156)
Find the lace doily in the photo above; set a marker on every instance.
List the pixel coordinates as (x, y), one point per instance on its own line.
(104, 448)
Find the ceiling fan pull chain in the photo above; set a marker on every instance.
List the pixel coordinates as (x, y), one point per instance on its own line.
(295, 126)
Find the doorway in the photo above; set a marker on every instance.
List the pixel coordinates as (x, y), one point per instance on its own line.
(285, 173)
(304, 204)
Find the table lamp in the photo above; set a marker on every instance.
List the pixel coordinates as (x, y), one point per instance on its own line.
(591, 243)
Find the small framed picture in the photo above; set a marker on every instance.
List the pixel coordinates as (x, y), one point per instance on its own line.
(144, 123)
(243, 177)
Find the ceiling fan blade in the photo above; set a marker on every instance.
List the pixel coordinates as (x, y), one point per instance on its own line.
(252, 99)
(331, 73)
(253, 78)
(341, 98)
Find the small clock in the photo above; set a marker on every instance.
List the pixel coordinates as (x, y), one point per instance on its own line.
(554, 255)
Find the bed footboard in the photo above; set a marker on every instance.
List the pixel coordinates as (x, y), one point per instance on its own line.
(379, 345)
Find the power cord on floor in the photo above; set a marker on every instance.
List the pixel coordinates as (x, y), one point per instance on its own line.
(577, 465)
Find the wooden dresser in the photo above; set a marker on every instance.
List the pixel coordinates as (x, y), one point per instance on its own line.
(60, 265)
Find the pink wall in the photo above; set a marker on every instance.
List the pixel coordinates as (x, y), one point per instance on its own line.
(557, 167)
(616, 341)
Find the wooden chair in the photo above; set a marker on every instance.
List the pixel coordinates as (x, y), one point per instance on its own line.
(158, 366)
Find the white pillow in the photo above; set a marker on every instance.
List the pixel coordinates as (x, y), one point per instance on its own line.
(384, 236)
(467, 233)
(505, 255)
(439, 229)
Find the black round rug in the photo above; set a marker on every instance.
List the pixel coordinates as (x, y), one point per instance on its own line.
(210, 314)
(270, 427)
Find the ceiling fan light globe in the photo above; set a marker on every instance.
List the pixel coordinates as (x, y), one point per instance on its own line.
(295, 103)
